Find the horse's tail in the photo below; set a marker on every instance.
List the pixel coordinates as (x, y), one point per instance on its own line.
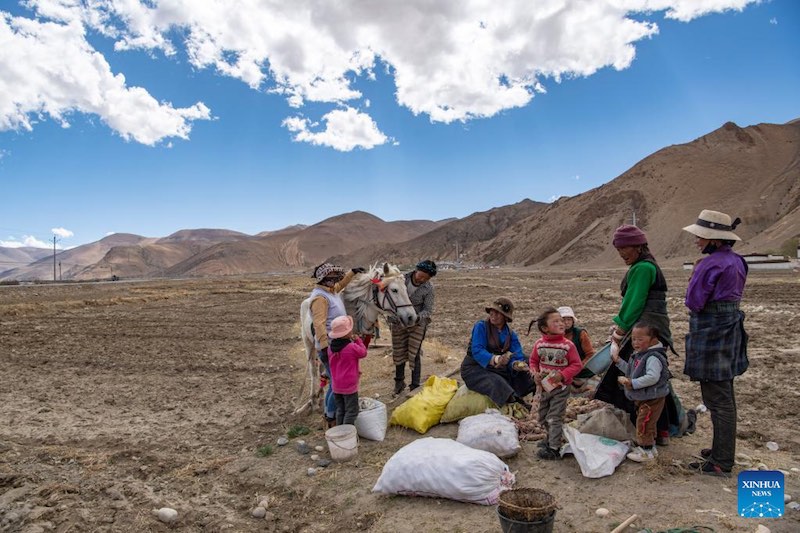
(306, 401)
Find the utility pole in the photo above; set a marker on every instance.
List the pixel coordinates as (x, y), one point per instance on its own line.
(54, 258)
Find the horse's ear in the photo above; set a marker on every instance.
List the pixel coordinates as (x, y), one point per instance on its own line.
(386, 269)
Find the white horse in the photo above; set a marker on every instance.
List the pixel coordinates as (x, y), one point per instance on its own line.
(368, 295)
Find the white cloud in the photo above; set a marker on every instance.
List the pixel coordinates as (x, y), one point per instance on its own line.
(49, 69)
(61, 232)
(451, 61)
(28, 241)
(110, 233)
(345, 129)
(773, 21)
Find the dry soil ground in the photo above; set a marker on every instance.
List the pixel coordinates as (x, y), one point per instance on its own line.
(119, 398)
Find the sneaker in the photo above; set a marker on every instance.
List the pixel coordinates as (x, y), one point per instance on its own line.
(399, 386)
(662, 439)
(709, 469)
(643, 455)
(547, 453)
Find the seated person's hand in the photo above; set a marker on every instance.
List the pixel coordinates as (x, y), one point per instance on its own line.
(557, 377)
(520, 366)
(625, 382)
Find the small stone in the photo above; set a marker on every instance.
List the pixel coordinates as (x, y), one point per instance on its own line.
(301, 441)
(283, 441)
(312, 471)
(259, 512)
(269, 517)
(602, 511)
(114, 494)
(761, 466)
(377, 395)
(701, 408)
(794, 506)
(302, 448)
(315, 457)
(324, 463)
(772, 446)
(319, 449)
(762, 529)
(264, 503)
(726, 489)
(787, 498)
(167, 515)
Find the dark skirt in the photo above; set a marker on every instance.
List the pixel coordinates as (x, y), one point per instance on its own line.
(499, 384)
(716, 346)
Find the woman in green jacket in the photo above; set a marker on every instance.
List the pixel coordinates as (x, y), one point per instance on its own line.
(644, 297)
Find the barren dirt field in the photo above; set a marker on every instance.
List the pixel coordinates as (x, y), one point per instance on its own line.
(120, 398)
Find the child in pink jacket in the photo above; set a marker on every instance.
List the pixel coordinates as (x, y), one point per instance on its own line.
(555, 359)
(346, 350)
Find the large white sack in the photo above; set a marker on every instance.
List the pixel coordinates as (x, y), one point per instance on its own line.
(491, 432)
(371, 421)
(444, 468)
(597, 456)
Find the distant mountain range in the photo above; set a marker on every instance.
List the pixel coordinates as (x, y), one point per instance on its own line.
(751, 172)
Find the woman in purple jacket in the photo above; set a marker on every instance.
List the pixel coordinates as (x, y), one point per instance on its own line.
(716, 346)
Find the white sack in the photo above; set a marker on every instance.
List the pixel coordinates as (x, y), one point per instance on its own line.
(491, 432)
(444, 468)
(371, 421)
(597, 456)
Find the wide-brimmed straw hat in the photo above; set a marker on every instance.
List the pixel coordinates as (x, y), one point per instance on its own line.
(714, 225)
(504, 306)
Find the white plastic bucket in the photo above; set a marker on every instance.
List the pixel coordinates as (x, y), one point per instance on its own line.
(342, 442)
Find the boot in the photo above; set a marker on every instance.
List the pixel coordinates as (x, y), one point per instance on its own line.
(416, 372)
(399, 378)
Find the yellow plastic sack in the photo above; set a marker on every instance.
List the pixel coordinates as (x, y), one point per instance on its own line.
(424, 410)
(466, 403)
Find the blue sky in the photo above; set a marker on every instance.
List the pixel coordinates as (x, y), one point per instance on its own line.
(396, 112)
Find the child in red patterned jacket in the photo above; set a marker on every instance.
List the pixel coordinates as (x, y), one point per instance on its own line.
(554, 362)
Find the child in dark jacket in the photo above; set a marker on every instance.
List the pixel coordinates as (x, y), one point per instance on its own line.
(555, 360)
(346, 350)
(646, 381)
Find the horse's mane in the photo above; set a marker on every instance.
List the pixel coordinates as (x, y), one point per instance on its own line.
(360, 287)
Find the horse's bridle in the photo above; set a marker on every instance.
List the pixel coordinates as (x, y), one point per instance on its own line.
(387, 296)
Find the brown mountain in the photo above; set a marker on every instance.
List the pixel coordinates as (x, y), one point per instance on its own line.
(73, 260)
(20, 257)
(299, 247)
(153, 257)
(466, 234)
(752, 172)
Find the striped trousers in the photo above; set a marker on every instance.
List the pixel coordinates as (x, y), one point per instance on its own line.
(407, 343)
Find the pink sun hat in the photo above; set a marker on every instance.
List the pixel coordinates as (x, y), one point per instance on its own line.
(341, 326)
